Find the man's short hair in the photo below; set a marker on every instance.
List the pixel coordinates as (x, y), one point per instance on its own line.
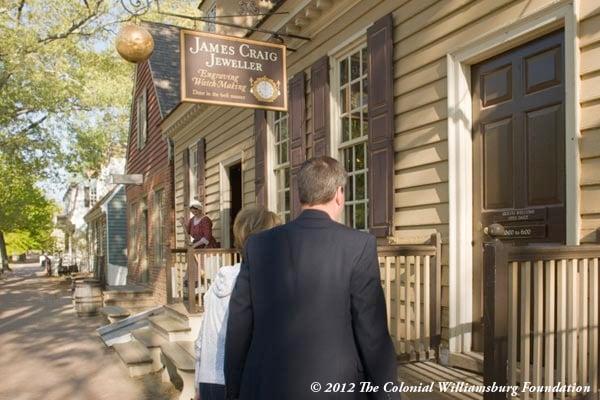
(318, 180)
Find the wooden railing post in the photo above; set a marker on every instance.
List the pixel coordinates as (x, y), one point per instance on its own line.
(436, 294)
(495, 317)
(192, 280)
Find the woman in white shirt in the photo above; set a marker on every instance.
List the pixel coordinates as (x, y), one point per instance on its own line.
(210, 344)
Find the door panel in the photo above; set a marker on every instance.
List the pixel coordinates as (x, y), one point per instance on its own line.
(497, 163)
(518, 151)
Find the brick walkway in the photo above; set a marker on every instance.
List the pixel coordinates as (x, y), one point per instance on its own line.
(47, 352)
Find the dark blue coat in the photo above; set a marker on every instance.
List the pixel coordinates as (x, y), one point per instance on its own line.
(308, 307)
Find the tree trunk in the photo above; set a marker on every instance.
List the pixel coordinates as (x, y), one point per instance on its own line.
(3, 253)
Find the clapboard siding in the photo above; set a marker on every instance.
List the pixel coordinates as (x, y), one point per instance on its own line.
(589, 143)
(117, 228)
(228, 133)
(425, 31)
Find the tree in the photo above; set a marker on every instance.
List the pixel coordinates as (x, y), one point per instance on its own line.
(64, 98)
(55, 70)
(24, 208)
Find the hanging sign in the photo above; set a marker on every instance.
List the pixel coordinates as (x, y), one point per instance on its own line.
(232, 71)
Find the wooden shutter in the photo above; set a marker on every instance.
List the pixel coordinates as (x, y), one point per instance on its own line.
(319, 84)
(260, 147)
(297, 127)
(200, 169)
(381, 127)
(186, 178)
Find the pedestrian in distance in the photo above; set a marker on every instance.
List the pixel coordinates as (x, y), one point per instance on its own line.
(210, 344)
(308, 310)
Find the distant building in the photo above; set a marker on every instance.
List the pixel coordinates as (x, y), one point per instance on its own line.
(80, 196)
(107, 237)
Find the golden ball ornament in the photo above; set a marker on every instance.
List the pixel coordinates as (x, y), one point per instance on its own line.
(135, 43)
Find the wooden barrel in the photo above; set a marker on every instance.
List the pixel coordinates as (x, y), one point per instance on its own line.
(87, 297)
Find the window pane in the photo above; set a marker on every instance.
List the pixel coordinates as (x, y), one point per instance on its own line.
(284, 152)
(360, 216)
(360, 187)
(348, 159)
(349, 218)
(365, 60)
(360, 156)
(355, 125)
(277, 133)
(345, 129)
(284, 129)
(365, 122)
(355, 96)
(344, 71)
(344, 100)
(350, 188)
(286, 177)
(355, 65)
(365, 92)
(287, 200)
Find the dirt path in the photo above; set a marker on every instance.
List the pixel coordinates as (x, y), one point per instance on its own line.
(47, 352)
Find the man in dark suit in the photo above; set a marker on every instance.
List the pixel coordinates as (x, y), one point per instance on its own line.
(308, 309)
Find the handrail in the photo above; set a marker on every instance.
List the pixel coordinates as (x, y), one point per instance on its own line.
(547, 253)
(219, 250)
(407, 250)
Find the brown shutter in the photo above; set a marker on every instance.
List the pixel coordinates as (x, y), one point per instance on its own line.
(381, 127)
(319, 84)
(200, 170)
(297, 126)
(260, 147)
(186, 178)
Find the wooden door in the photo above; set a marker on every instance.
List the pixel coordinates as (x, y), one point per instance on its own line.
(518, 152)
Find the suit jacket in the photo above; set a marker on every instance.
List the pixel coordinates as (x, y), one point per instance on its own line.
(308, 307)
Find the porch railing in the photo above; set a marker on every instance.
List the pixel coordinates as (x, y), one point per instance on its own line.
(196, 268)
(411, 280)
(410, 276)
(541, 315)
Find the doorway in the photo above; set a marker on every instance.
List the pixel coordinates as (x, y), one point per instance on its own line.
(231, 198)
(518, 135)
(235, 180)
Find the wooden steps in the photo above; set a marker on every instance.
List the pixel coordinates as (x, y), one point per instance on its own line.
(134, 298)
(179, 362)
(178, 353)
(424, 373)
(136, 357)
(170, 327)
(148, 337)
(114, 313)
(469, 361)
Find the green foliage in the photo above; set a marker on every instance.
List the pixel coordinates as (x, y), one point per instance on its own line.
(26, 214)
(21, 242)
(55, 68)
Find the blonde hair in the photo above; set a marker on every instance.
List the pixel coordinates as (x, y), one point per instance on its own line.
(252, 220)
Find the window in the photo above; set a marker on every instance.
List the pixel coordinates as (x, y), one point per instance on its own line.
(212, 14)
(132, 232)
(142, 119)
(143, 238)
(193, 172)
(158, 227)
(353, 133)
(281, 165)
(93, 195)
